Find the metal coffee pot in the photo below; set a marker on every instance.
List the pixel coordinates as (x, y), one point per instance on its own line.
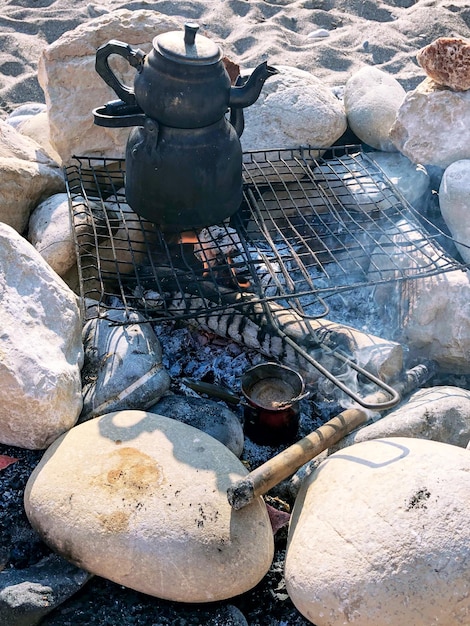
(183, 158)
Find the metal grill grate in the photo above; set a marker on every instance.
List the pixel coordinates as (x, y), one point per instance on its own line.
(310, 226)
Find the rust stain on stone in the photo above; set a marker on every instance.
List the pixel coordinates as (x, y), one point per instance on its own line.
(116, 522)
(129, 479)
(132, 475)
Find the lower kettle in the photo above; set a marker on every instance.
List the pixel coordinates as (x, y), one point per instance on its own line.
(184, 179)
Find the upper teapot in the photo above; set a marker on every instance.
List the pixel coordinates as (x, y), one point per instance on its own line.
(182, 82)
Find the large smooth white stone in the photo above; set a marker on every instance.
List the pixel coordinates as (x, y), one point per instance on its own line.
(454, 202)
(294, 108)
(371, 101)
(41, 347)
(379, 536)
(51, 233)
(141, 499)
(73, 88)
(27, 175)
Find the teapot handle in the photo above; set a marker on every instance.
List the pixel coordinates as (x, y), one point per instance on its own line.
(237, 119)
(134, 56)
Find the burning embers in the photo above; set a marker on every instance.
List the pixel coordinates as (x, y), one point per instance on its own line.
(216, 247)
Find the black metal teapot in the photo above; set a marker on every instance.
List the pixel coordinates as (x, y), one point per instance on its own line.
(184, 159)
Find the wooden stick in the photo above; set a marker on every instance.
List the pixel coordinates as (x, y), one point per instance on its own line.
(269, 474)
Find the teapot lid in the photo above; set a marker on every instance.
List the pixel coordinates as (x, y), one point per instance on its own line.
(193, 49)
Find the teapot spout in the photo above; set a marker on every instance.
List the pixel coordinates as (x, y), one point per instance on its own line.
(247, 94)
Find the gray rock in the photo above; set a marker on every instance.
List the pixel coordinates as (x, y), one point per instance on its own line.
(294, 108)
(411, 180)
(227, 615)
(454, 202)
(27, 595)
(213, 418)
(371, 101)
(379, 536)
(42, 350)
(123, 365)
(432, 127)
(437, 413)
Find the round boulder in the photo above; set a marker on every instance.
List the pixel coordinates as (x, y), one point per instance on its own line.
(141, 499)
(51, 233)
(379, 536)
(454, 202)
(294, 108)
(372, 99)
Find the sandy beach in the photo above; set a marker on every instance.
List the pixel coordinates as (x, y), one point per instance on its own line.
(329, 38)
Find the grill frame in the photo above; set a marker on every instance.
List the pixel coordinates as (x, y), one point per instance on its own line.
(128, 263)
(304, 210)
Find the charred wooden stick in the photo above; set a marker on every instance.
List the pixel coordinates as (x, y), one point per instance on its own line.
(269, 474)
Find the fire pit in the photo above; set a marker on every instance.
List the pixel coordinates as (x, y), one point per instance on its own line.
(304, 232)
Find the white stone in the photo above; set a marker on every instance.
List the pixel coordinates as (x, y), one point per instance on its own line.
(50, 232)
(437, 413)
(319, 33)
(70, 60)
(141, 499)
(432, 127)
(28, 110)
(431, 314)
(454, 202)
(37, 127)
(371, 101)
(362, 188)
(42, 351)
(379, 536)
(411, 180)
(294, 108)
(24, 166)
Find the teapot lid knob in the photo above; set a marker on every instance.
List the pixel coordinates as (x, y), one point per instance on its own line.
(190, 30)
(188, 49)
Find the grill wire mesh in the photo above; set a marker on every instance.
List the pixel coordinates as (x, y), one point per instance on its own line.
(310, 226)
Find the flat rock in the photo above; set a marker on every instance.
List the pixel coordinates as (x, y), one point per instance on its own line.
(437, 413)
(294, 108)
(42, 351)
(447, 61)
(411, 180)
(141, 499)
(454, 202)
(379, 536)
(371, 101)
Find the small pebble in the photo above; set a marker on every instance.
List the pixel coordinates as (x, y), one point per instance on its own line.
(318, 34)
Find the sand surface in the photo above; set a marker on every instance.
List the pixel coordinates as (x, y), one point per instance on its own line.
(354, 33)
